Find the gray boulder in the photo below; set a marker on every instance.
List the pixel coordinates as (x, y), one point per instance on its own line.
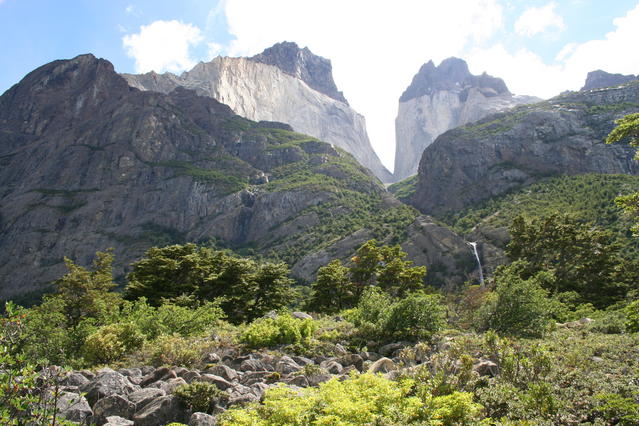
(382, 365)
(118, 421)
(113, 405)
(160, 411)
(106, 384)
(202, 419)
(73, 407)
(143, 396)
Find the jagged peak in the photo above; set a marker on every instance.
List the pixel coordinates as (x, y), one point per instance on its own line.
(451, 74)
(314, 70)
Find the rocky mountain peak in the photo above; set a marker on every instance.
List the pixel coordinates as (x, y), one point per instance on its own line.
(599, 79)
(451, 74)
(314, 70)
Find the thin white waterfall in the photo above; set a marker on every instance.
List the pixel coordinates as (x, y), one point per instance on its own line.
(481, 273)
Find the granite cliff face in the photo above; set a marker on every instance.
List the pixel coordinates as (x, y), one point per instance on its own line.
(562, 136)
(441, 98)
(600, 79)
(88, 162)
(284, 83)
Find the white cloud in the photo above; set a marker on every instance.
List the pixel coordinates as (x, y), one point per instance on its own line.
(163, 46)
(214, 50)
(376, 47)
(526, 73)
(536, 20)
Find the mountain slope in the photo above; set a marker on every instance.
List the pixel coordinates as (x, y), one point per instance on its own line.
(564, 135)
(441, 98)
(283, 83)
(89, 163)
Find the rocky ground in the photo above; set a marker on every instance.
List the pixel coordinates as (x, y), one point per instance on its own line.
(145, 395)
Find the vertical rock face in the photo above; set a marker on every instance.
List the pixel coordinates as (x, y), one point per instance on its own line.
(562, 136)
(285, 84)
(600, 79)
(441, 98)
(88, 162)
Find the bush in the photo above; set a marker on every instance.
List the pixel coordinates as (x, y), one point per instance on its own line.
(175, 350)
(171, 318)
(200, 396)
(632, 317)
(110, 342)
(284, 329)
(517, 306)
(378, 316)
(360, 399)
(418, 316)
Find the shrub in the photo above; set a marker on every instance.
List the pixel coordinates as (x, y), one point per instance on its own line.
(110, 342)
(418, 316)
(200, 396)
(360, 399)
(284, 329)
(175, 350)
(632, 317)
(518, 307)
(378, 316)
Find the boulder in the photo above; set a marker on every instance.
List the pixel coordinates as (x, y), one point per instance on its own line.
(117, 421)
(486, 367)
(382, 365)
(286, 365)
(202, 419)
(162, 373)
(223, 371)
(301, 315)
(218, 381)
(143, 396)
(75, 379)
(160, 411)
(332, 366)
(113, 405)
(106, 384)
(73, 407)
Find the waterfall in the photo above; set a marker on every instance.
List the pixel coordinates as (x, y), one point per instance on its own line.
(481, 273)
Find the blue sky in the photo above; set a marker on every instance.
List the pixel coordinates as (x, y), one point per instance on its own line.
(539, 47)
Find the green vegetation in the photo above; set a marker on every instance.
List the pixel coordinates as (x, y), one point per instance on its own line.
(580, 258)
(359, 400)
(589, 198)
(200, 396)
(248, 289)
(281, 330)
(405, 189)
(227, 179)
(338, 287)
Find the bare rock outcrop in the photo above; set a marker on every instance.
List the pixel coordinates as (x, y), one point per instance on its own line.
(441, 98)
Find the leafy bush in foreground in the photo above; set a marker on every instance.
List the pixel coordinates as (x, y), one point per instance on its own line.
(284, 329)
(200, 396)
(360, 400)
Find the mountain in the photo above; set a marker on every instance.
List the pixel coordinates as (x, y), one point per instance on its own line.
(562, 136)
(88, 162)
(284, 83)
(600, 79)
(441, 98)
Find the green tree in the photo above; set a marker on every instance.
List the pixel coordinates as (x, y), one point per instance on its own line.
(386, 267)
(628, 130)
(518, 306)
(246, 288)
(582, 258)
(86, 294)
(172, 271)
(333, 289)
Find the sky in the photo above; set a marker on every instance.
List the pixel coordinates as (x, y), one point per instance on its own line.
(539, 47)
